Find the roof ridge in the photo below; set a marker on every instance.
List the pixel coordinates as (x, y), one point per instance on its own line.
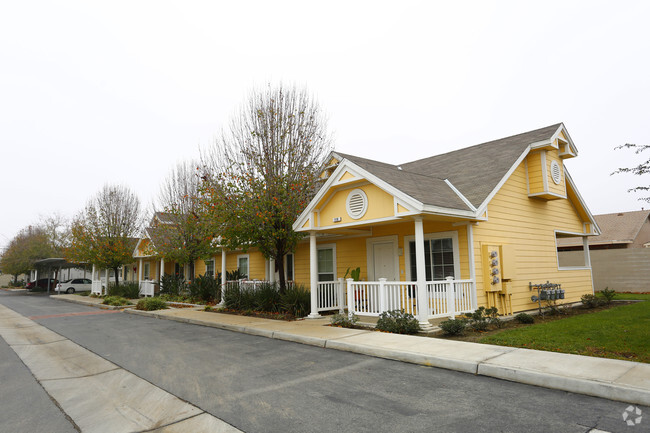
(557, 125)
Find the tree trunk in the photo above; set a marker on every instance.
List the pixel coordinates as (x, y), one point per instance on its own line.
(117, 278)
(15, 279)
(279, 264)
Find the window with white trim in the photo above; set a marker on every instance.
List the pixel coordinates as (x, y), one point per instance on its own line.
(326, 263)
(242, 265)
(146, 271)
(570, 251)
(288, 262)
(441, 256)
(179, 270)
(209, 268)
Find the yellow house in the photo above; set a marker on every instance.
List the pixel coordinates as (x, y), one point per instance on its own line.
(150, 267)
(446, 234)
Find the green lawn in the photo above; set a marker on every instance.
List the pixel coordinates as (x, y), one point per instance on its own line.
(629, 296)
(621, 332)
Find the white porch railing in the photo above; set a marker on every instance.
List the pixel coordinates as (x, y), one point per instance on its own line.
(450, 297)
(445, 298)
(331, 295)
(147, 288)
(97, 288)
(252, 284)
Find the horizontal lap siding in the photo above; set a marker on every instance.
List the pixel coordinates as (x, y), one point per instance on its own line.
(352, 252)
(529, 224)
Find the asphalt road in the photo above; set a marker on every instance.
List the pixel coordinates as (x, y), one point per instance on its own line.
(263, 385)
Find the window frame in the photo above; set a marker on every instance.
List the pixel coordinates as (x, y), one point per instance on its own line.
(327, 247)
(428, 237)
(211, 261)
(248, 265)
(585, 250)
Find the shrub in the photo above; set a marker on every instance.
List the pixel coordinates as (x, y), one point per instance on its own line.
(296, 300)
(590, 301)
(19, 283)
(478, 320)
(267, 298)
(204, 288)
(608, 294)
(127, 289)
(231, 297)
(454, 326)
(344, 321)
(524, 318)
(115, 301)
(398, 322)
(151, 304)
(172, 285)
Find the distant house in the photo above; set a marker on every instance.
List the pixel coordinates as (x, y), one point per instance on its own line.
(620, 255)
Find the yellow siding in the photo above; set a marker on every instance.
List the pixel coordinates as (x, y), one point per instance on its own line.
(256, 263)
(535, 172)
(347, 175)
(552, 186)
(528, 225)
(380, 205)
(352, 252)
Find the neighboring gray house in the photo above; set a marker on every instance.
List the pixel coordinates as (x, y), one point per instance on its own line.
(620, 255)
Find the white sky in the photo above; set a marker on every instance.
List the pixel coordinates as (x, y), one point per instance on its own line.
(118, 91)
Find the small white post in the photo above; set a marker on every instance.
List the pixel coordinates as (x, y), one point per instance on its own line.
(451, 298)
(271, 271)
(223, 275)
(313, 276)
(382, 295)
(351, 306)
(340, 296)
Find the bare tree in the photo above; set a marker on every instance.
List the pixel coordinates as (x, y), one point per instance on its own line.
(263, 170)
(104, 233)
(187, 237)
(639, 170)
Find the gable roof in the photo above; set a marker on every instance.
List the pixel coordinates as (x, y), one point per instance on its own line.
(615, 228)
(459, 183)
(475, 172)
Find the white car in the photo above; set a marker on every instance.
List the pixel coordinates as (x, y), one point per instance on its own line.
(74, 285)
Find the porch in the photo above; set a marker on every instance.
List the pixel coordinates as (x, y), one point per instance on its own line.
(446, 298)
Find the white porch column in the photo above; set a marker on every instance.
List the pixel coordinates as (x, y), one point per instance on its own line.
(106, 287)
(472, 266)
(140, 271)
(162, 269)
(313, 276)
(271, 271)
(423, 301)
(223, 274)
(585, 247)
(93, 275)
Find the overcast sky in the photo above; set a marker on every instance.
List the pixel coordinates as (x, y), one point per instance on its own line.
(118, 91)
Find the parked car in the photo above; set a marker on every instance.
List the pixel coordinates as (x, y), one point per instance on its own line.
(74, 285)
(41, 284)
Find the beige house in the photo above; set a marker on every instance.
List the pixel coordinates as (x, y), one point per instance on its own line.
(620, 255)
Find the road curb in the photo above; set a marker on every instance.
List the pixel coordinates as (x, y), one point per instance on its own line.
(92, 304)
(592, 387)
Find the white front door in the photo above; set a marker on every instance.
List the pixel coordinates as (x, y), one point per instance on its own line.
(384, 261)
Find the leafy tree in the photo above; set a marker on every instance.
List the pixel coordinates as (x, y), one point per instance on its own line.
(29, 245)
(186, 236)
(263, 171)
(639, 170)
(103, 233)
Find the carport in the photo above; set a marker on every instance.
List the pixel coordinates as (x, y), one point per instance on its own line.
(46, 265)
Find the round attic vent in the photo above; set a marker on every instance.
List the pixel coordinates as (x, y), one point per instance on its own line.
(356, 204)
(556, 172)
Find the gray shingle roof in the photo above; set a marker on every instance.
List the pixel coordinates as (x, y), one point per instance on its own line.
(616, 228)
(475, 171)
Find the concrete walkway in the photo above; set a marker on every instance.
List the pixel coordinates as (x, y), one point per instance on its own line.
(601, 377)
(95, 393)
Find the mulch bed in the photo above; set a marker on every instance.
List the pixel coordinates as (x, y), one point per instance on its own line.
(261, 314)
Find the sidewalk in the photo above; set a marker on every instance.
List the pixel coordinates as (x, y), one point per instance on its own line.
(601, 377)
